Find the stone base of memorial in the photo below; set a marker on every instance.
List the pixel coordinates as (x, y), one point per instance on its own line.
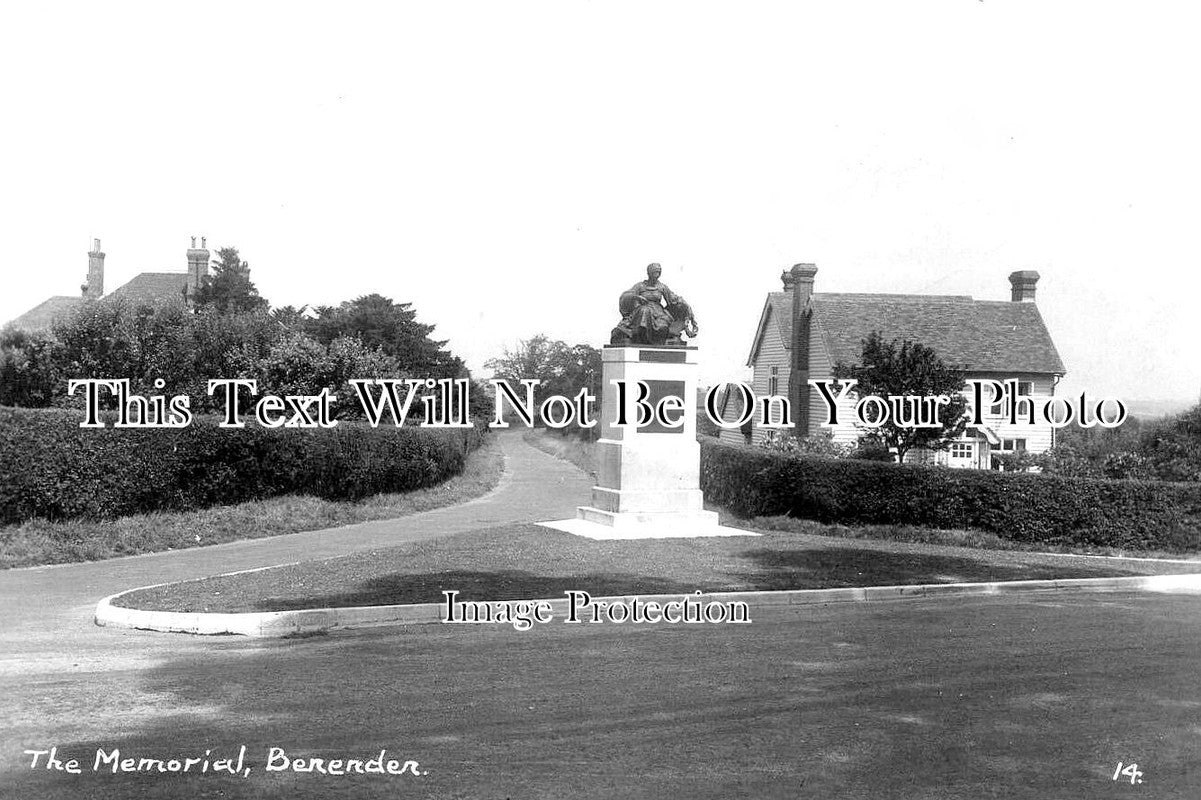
(648, 475)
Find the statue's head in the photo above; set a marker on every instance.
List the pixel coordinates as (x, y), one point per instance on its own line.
(653, 271)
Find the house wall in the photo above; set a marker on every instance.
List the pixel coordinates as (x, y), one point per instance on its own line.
(771, 354)
(821, 368)
(731, 411)
(1039, 438)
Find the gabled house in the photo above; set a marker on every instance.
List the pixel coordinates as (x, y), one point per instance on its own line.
(802, 334)
(147, 287)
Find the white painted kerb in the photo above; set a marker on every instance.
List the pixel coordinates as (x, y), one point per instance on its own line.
(284, 623)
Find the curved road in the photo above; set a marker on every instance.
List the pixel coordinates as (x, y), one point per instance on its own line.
(1016, 696)
(48, 603)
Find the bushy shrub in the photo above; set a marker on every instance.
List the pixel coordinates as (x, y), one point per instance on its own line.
(705, 426)
(1066, 461)
(1167, 449)
(28, 373)
(1127, 465)
(871, 448)
(1172, 447)
(1019, 461)
(52, 468)
(121, 338)
(818, 444)
(1021, 507)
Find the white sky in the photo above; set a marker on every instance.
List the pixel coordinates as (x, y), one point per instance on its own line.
(510, 168)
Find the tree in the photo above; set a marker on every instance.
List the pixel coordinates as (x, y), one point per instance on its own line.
(298, 364)
(563, 369)
(103, 340)
(1093, 452)
(144, 343)
(29, 375)
(291, 317)
(1172, 447)
(377, 321)
(229, 289)
(908, 368)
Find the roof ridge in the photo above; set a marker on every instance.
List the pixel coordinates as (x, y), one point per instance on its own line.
(958, 298)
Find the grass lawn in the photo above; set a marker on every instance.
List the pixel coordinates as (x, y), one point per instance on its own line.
(40, 542)
(526, 561)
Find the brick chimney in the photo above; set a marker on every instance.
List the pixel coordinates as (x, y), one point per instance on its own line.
(1023, 283)
(798, 282)
(94, 288)
(198, 267)
(788, 279)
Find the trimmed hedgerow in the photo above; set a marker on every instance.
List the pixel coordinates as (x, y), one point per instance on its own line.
(53, 469)
(1022, 507)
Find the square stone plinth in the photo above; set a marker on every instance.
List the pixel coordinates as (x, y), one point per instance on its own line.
(648, 465)
(648, 469)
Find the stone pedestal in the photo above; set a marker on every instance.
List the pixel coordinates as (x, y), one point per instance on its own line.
(648, 476)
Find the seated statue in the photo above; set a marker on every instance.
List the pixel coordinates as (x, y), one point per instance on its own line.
(653, 314)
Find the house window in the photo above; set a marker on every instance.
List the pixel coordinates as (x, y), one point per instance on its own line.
(1025, 389)
(962, 450)
(1012, 445)
(773, 382)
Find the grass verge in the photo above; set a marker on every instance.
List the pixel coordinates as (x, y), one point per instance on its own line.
(526, 561)
(39, 542)
(979, 540)
(568, 448)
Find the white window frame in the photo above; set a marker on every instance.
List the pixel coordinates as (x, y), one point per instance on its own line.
(969, 446)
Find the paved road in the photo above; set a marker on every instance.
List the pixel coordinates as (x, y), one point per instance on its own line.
(51, 603)
(1016, 697)
(1026, 697)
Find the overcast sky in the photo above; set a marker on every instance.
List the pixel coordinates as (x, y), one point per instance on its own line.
(510, 168)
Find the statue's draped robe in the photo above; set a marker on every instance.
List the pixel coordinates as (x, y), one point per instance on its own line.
(649, 321)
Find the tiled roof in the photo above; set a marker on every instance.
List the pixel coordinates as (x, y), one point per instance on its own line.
(46, 313)
(151, 286)
(976, 335)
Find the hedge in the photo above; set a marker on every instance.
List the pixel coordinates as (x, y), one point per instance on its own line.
(1022, 507)
(53, 469)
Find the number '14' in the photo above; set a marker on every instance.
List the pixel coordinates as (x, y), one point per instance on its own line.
(1130, 771)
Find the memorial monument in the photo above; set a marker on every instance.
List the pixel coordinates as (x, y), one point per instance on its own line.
(648, 469)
